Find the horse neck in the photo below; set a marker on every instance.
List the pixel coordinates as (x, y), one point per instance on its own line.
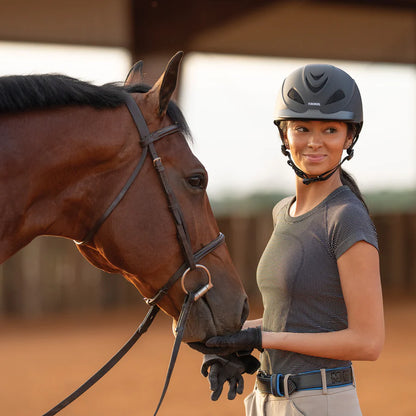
(53, 165)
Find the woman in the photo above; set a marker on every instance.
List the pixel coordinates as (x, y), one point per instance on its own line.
(319, 274)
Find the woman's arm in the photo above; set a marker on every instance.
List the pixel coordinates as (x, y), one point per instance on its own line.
(364, 338)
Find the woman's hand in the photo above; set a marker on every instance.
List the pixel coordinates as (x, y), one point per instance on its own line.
(227, 369)
(242, 342)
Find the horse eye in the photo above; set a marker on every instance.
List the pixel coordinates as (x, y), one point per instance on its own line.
(197, 181)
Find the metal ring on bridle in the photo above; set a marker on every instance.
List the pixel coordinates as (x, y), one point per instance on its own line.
(204, 289)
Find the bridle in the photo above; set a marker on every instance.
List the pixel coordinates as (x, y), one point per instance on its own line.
(147, 140)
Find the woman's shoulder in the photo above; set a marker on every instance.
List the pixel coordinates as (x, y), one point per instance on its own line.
(346, 205)
(280, 207)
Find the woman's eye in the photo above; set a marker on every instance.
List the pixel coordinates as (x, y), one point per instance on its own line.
(197, 181)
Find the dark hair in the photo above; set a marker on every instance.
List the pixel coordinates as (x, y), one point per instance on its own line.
(346, 178)
(353, 129)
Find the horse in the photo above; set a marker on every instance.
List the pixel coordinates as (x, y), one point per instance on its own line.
(67, 152)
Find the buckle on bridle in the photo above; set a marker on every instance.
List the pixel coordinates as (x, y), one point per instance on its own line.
(204, 289)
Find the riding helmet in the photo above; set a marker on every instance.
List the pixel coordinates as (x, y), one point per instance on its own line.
(319, 92)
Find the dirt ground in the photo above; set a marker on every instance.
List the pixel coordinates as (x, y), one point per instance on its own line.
(42, 361)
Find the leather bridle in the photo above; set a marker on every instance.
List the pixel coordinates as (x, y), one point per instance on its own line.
(147, 140)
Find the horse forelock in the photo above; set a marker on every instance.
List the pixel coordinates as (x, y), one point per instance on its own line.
(35, 92)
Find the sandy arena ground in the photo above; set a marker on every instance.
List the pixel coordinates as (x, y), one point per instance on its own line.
(42, 361)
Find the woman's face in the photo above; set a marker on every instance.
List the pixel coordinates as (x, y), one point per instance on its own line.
(316, 145)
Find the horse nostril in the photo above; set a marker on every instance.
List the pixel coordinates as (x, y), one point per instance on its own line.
(245, 311)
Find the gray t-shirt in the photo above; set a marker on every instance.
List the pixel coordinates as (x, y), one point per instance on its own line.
(298, 275)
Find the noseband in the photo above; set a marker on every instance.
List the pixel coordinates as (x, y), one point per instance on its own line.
(147, 140)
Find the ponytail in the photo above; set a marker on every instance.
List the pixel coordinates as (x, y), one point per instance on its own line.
(348, 180)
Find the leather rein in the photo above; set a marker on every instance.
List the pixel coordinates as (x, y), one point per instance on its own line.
(147, 140)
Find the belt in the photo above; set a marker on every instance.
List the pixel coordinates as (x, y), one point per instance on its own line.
(311, 380)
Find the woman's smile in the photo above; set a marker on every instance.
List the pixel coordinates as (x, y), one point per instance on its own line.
(314, 157)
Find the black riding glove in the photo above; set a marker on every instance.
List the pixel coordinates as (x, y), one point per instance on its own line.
(244, 341)
(230, 368)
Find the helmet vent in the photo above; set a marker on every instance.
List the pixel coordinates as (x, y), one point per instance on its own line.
(315, 82)
(294, 95)
(316, 77)
(338, 95)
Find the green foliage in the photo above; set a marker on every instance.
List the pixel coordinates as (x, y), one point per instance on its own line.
(391, 201)
(378, 202)
(245, 205)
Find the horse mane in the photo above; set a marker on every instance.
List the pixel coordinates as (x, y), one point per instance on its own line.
(36, 92)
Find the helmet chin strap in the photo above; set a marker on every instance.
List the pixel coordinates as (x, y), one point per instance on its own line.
(319, 178)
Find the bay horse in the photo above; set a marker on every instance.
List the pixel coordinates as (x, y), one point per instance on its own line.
(67, 148)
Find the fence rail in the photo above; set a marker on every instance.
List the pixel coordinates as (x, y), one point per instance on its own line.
(49, 275)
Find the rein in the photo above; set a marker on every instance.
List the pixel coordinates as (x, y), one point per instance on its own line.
(191, 259)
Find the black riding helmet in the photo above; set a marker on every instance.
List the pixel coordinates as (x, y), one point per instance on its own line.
(319, 92)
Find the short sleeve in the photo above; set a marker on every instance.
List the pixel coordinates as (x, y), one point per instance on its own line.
(351, 224)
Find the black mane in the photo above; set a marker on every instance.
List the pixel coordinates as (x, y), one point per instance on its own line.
(36, 92)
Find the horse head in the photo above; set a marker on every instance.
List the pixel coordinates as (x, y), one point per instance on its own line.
(140, 237)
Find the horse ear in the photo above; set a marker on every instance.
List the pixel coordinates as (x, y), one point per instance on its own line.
(135, 75)
(164, 87)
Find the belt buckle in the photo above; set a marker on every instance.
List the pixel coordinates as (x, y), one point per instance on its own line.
(275, 385)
